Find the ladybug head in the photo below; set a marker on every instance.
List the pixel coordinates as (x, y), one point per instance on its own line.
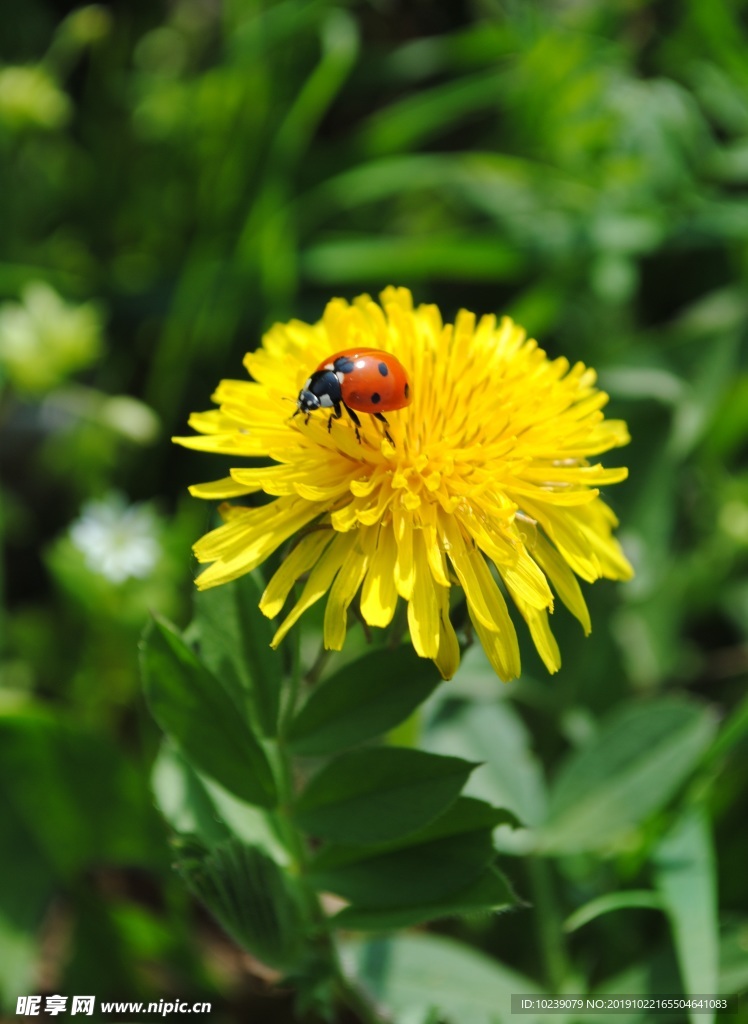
(307, 401)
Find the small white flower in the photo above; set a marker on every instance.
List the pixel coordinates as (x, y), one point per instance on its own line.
(117, 540)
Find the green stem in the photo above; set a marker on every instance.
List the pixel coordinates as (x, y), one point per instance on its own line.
(548, 924)
(318, 667)
(290, 700)
(351, 997)
(321, 935)
(399, 624)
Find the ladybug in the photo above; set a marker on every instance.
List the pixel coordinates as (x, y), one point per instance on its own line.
(357, 380)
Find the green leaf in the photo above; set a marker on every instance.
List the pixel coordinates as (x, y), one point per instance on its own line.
(413, 119)
(362, 700)
(464, 816)
(182, 798)
(421, 874)
(644, 383)
(27, 886)
(250, 896)
(731, 733)
(656, 974)
(510, 775)
(435, 862)
(100, 947)
(94, 807)
(192, 707)
(489, 893)
(411, 973)
(717, 366)
(70, 802)
(686, 879)
(234, 638)
(631, 768)
(733, 957)
(628, 899)
(255, 826)
(455, 256)
(376, 796)
(195, 805)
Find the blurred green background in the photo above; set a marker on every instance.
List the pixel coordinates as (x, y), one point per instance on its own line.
(174, 177)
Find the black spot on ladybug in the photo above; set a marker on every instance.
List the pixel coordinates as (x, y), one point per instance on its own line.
(376, 398)
(383, 369)
(344, 364)
(407, 390)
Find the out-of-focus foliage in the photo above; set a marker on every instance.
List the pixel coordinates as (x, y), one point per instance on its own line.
(175, 177)
(43, 341)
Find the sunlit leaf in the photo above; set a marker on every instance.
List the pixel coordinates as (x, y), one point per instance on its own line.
(685, 872)
(627, 899)
(422, 972)
(510, 775)
(631, 768)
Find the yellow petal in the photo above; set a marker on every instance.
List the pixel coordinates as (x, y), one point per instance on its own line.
(379, 594)
(543, 638)
(563, 529)
(370, 513)
(320, 579)
(304, 477)
(400, 297)
(210, 443)
(505, 665)
(513, 561)
(404, 567)
(217, 489)
(213, 421)
(563, 579)
(597, 476)
(423, 607)
(503, 626)
(436, 558)
(256, 537)
(595, 523)
(298, 561)
(482, 593)
(345, 587)
(567, 498)
(447, 658)
(362, 487)
(540, 630)
(226, 538)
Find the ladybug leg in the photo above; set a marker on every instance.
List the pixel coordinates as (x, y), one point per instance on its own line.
(379, 416)
(338, 412)
(356, 422)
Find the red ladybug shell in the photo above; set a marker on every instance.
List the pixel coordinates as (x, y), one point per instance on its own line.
(376, 382)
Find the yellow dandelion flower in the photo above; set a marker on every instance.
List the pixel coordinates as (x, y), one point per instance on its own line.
(486, 486)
